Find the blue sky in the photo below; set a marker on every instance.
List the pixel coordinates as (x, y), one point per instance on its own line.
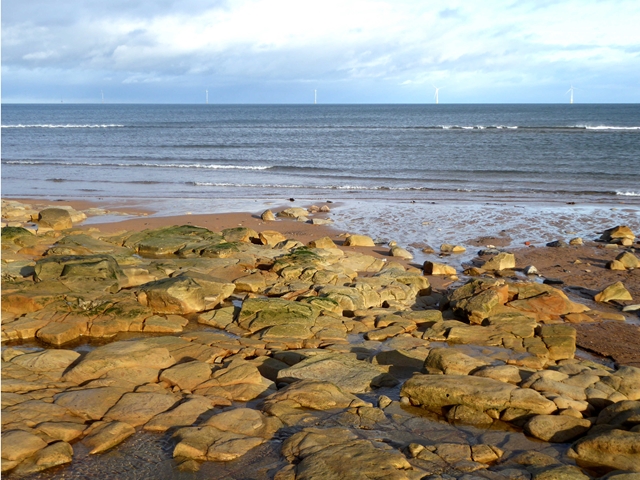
(351, 51)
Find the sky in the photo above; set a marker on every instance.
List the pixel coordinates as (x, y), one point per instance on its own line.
(350, 51)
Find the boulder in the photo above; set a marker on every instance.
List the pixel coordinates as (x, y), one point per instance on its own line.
(138, 408)
(346, 371)
(324, 242)
(259, 313)
(359, 241)
(186, 376)
(557, 428)
(90, 403)
(433, 268)
(271, 237)
(55, 218)
(451, 361)
(173, 295)
(449, 248)
(400, 253)
(184, 415)
(613, 292)
(18, 445)
(628, 260)
(268, 216)
(620, 234)
(501, 261)
(293, 212)
(614, 449)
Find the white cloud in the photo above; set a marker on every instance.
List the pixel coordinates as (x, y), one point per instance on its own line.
(410, 43)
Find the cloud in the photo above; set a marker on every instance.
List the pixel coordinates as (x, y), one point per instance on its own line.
(347, 44)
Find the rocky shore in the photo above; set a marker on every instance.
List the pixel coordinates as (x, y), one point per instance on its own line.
(314, 356)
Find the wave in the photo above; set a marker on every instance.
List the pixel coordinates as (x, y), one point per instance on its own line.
(63, 126)
(607, 127)
(324, 187)
(150, 165)
(629, 194)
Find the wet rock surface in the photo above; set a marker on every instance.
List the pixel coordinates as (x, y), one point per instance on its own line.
(181, 352)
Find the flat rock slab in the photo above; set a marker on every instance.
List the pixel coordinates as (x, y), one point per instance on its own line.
(349, 373)
(108, 435)
(138, 408)
(615, 449)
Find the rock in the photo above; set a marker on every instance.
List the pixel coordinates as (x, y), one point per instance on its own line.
(18, 445)
(258, 313)
(437, 391)
(557, 428)
(108, 435)
(65, 431)
(530, 270)
(359, 241)
(623, 414)
(56, 218)
(125, 354)
(501, 261)
(577, 241)
(628, 260)
(350, 374)
(138, 408)
(616, 265)
(178, 295)
(448, 248)
(401, 253)
(293, 212)
(271, 237)
(451, 362)
(82, 272)
(565, 472)
(184, 415)
(330, 453)
(558, 244)
(615, 291)
(268, 216)
(310, 394)
(187, 375)
(239, 234)
(168, 324)
(324, 242)
(615, 449)
(433, 268)
(620, 234)
(90, 403)
(57, 453)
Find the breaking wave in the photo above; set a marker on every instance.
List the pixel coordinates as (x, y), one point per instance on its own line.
(63, 126)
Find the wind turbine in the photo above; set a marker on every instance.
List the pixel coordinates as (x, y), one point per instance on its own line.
(436, 95)
(570, 90)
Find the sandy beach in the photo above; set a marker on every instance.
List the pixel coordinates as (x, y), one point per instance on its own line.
(149, 328)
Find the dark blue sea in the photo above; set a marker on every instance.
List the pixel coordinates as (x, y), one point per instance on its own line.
(380, 158)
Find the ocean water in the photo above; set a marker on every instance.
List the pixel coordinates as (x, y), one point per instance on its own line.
(487, 167)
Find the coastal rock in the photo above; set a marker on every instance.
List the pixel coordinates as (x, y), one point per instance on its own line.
(293, 212)
(268, 216)
(433, 268)
(257, 313)
(401, 253)
(18, 445)
(81, 273)
(124, 354)
(621, 235)
(556, 428)
(184, 415)
(329, 453)
(238, 234)
(616, 291)
(138, 408)
(107, 435)
(451, 362)
(53, 455)
(449, 248)
(350, 374)
(271, 237)
(359, 241)
(628, 260)
(615, 449)
(90, 403)
(186, 376)
(501, 261)
(173, 295)
(55, 218)
(437, 391)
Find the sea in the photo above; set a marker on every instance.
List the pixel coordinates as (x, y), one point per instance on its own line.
(412, 173)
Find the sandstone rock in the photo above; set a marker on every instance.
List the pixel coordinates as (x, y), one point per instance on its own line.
(90, 403)
(435, 392)
(268, 216)
(616, 265)
(65, 431)
(184, 415)
(401, 253)
(324, 242)
(168, 324)
(257, 313)
(448, 248)
(501, 261)
(138, 408)
(620, 234)
(271, 237)
(293, 212)
(613, 292)
(557, 428)
(433, 268)
(615, 449)
(530, 270)
(359, 241)
(81, 272)
(57, 453)
(18, 445)
(350, 374)
(187, 375)
(451, 362)
(628, 260)
(56, 218)
(123, 354)
(239, 234)
(173, 295)
(108, 435)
